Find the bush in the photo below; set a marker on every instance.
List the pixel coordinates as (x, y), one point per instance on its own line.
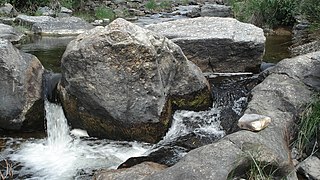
(104, 13)
(265, 12)
(311, 9)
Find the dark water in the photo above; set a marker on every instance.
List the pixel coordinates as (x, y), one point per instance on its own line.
(277, 48)
(49, 50)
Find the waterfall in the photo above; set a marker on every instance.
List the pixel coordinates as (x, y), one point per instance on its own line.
(61, 156)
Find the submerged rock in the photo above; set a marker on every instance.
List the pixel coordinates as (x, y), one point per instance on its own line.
(216, 44)
(21, 104)
(254, 122)
(122, 82)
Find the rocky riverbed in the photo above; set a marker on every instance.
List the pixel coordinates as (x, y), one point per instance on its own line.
(160, 61)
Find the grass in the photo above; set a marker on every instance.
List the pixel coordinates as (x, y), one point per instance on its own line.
(308, 125)
(85, 15)
(151, 5)
(103, 12)
(259, 170)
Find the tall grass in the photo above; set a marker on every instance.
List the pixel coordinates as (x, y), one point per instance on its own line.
(308, 126)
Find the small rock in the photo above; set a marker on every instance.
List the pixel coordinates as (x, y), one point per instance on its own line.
(46, 11)
(79, 133)
(254, 122)
(310, 167)
(65, 10)
(216, 10)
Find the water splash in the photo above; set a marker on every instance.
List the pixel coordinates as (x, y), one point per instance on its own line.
(201, 123)
(63, 157)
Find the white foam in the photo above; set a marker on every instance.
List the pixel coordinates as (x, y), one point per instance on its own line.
(62, 157)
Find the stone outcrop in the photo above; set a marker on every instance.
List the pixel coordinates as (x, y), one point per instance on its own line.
(21, 104)
(9, 33)
(216, 44)
(122, 82)
(65, 26)
(283, 95)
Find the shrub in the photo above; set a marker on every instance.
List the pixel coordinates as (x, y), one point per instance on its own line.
(151, 5)
(265, 12)
(104, 13)
(311, 9)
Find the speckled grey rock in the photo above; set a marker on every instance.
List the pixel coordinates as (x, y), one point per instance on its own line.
(9, 33)
(20, 88)
(137, 172)
(310, 167)
(216, 44)
(121, 81)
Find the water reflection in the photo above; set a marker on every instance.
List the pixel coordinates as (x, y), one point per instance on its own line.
(277, 48)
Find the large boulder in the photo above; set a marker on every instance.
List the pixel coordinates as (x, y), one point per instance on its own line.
(122, 82)
(21, 104)
(9, 33)
(216, 44)
(66, 26)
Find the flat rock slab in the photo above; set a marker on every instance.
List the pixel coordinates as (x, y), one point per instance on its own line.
(65, 26)
(9, 33)
(216, 44)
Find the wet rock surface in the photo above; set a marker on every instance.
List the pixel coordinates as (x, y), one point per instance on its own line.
(216, 44)
(21, 89)
(122, 82)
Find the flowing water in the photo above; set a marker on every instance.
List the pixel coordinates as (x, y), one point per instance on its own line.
(61, 156)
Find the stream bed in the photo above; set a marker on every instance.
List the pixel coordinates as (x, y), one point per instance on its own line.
(59, 154)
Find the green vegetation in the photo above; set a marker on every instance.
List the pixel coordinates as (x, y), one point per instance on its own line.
(273, 13)
(151, 5)
(265, 12)
(309, 125)
(103, 12)
(259, 170)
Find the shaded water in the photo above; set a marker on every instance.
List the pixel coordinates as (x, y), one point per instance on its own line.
(277, 48)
